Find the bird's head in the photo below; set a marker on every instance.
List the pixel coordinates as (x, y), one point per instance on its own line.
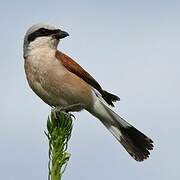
(43, 35)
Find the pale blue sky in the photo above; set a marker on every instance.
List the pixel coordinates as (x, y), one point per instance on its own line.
(132, 48)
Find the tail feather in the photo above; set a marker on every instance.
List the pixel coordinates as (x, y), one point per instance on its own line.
(135, 142)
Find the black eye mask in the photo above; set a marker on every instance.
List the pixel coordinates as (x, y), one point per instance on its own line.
(42, 32)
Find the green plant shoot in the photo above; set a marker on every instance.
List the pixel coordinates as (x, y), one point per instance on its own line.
(59, 128)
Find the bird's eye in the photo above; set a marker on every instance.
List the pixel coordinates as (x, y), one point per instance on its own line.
(40, 33)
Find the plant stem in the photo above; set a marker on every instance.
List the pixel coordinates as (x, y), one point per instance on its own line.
(59, 128)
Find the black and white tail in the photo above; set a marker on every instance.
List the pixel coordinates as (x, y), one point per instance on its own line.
(135, 142)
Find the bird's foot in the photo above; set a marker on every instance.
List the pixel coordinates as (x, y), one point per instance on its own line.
(56, 110)
(74, 107)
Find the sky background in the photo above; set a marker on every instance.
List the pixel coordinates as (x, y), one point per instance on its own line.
(132, 47)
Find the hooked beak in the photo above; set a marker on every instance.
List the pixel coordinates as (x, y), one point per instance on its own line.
(60, 34)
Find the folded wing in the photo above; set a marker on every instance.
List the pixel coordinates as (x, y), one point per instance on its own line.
(75, 68)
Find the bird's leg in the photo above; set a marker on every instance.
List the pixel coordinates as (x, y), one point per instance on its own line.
(73, 108)
(58, 109)
(54, 110)
(67, 109)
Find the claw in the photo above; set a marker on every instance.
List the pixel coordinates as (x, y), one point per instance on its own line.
(71, 115)
(55, 110)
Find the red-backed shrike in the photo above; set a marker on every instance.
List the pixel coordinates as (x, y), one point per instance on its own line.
(60, 82)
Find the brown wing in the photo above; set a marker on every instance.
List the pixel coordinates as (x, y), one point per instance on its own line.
(75, 68)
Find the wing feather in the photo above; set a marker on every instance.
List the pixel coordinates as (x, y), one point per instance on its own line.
(75, 68)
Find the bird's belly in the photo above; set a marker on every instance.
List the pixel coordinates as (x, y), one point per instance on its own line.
(56, 86)
(39, 85)
(43, 94)
(62, 94)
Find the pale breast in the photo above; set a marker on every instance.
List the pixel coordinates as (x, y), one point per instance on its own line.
(53, 83)
(36, 71)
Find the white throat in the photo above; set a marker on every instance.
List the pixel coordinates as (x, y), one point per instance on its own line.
(39, 43)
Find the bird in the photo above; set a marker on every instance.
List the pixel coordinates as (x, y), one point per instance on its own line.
(62, 83)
